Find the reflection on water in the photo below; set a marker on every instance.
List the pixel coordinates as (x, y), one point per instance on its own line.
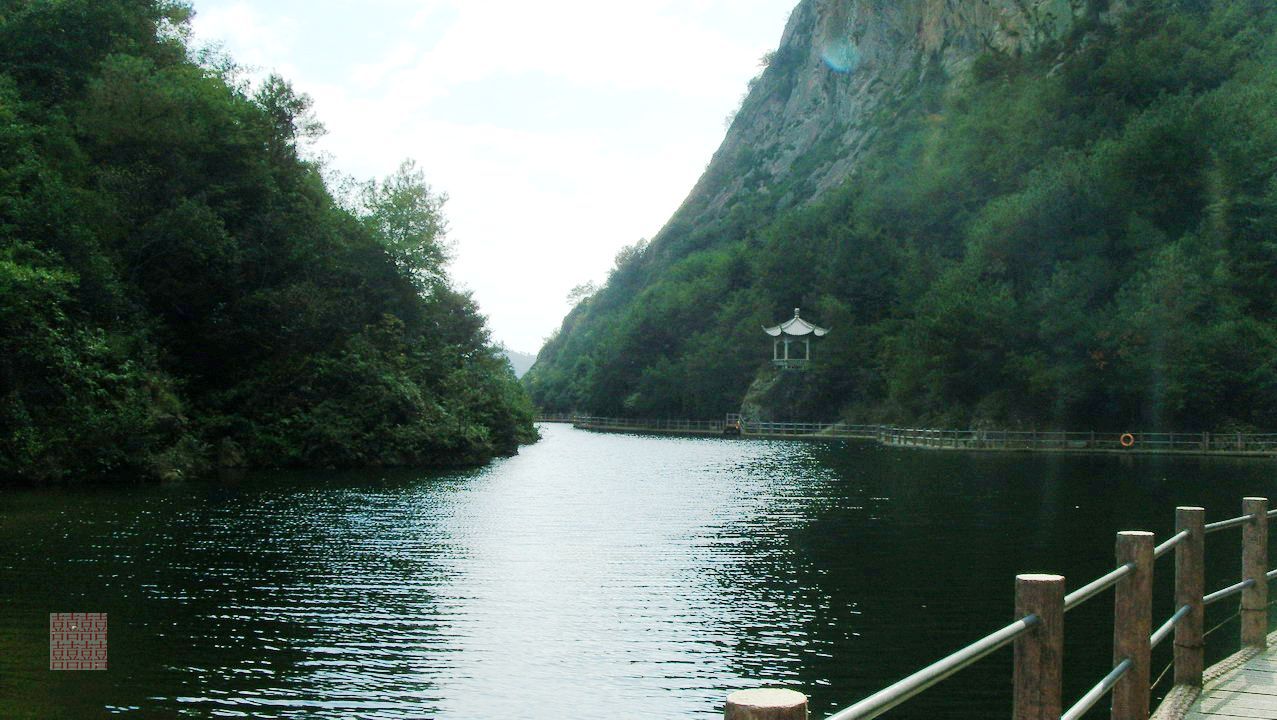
(615, 575)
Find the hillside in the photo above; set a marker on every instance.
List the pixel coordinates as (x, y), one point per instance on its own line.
(179, 289)
(1044, 214)
(519, 362)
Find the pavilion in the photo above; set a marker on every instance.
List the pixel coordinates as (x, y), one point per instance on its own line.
(792, 331)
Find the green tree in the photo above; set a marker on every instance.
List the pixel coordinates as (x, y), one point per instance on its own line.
(408, 217)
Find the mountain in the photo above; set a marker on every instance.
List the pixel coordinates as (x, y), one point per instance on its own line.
(844, 72)
(520, 362)
(1024, 214)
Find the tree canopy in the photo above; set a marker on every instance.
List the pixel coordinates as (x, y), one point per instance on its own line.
(179, 288)
(1076, 238)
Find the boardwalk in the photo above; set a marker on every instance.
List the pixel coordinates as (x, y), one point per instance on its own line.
(1134, 443)
(1244, 686)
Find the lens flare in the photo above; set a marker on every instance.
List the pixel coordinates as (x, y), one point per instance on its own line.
(841, 56)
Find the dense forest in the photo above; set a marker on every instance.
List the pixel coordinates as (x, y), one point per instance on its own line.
(179, 288)
(1084, 236)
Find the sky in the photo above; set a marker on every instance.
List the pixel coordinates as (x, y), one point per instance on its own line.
(561, 130)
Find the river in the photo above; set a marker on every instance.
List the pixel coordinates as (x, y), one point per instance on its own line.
(592, 576)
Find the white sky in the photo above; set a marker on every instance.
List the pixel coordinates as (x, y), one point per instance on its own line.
(561, 130)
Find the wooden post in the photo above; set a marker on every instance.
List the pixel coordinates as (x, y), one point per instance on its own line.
(1205, 442)
(1132, 625)
(1039, 653)
(1190, 585)
(768, 704)
(1255, 566)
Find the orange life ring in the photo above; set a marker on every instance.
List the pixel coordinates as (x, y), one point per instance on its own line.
(1127, 440)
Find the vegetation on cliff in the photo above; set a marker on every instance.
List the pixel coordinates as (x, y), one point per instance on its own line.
(1082, 236)
(177, 285)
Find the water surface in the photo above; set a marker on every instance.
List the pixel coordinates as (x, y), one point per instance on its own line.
(612, 575)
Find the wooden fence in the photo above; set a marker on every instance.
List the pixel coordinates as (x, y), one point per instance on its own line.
(1037, 635)
(1055, 440)
(556, 418)
(716, 427)
(930, 438)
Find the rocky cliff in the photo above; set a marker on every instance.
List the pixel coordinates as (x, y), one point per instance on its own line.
(1038, 213)
(843, 70)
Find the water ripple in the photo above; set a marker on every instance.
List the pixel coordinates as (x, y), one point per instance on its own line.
(621, 576)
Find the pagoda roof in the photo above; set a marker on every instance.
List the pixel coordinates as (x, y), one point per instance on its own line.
(796, 327)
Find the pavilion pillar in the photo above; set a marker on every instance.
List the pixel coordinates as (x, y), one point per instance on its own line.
(807, 343)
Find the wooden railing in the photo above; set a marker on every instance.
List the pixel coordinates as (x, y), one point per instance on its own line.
(1038, 631)
(600, 423)
(975, 439)
(550, 418)
(752, 427)
(838, 429)
(1057, 440)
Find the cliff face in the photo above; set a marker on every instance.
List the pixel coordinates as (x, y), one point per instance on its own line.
(839, 76)
(1013, 213)
(845, 73)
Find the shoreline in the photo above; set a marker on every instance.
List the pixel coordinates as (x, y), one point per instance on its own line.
(930, 440)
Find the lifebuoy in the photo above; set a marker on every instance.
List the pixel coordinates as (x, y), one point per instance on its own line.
(1127, 440)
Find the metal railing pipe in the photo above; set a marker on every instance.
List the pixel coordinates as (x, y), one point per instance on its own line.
(1227, 592)
(900, 691)
(1093, 695)
(1097, 586)
(1170, 543)
(1168, 627)
(1229, 523)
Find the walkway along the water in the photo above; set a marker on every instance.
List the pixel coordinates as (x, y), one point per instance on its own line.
(1145, 443)
(1245, 685)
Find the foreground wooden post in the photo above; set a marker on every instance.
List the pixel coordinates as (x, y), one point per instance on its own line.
(1132, 624)
(1190, 586)
(1039, 653)
(1255, 566)
(768, 704)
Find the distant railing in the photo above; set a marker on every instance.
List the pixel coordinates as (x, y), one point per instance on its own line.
(1058, 440)
(839, 429)
(1041, 603)
(974, 439)
(750, 427)
(556, 418)
(599, 423)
